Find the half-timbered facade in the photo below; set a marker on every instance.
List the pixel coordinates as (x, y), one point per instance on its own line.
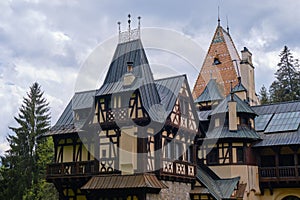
(258, 143)
(131, 139)
(140, 138)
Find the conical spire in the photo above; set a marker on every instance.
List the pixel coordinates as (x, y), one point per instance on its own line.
(222, 50)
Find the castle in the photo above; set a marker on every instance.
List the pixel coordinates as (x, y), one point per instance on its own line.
(140, 138)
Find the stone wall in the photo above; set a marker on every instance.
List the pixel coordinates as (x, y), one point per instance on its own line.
(175, 191)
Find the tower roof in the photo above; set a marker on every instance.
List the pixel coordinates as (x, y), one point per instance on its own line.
(241, 106)
(131, 51)
(219, 63)
(211, 92)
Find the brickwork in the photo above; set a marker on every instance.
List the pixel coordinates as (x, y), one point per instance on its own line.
(225, 72)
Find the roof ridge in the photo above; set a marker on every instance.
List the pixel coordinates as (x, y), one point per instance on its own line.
(85, 91)
(277, 103)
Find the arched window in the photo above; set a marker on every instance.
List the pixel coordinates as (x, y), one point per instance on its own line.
(291, 198)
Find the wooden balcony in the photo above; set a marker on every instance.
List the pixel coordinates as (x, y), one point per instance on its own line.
(67, 169)
(178, 169)
(279, 174)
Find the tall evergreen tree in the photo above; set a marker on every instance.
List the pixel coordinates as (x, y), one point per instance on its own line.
(263, 95)
(22, 170)
(286, 87)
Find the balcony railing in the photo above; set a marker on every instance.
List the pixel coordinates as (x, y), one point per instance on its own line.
(280, 173)
(178, 168)
(73, 168)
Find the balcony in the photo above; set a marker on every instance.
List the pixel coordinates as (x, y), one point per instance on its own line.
(279, 174)
(66, 169)
(178, 169)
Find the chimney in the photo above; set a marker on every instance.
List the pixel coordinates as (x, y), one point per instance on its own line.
(128, 76)
(232, 115)
(246, 56)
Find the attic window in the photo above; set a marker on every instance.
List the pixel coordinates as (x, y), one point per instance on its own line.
(216, 61)
(129, 66)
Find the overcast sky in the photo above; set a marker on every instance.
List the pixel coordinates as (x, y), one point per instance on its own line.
(48, 41)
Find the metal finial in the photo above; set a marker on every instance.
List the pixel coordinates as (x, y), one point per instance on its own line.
(119, 24)
(129, 21)
(219, 16)
(139, 24)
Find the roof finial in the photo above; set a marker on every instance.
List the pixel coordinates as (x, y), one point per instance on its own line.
(129, 21)
(219, 16)
(119, 24)
(139, 24)
(227, 24)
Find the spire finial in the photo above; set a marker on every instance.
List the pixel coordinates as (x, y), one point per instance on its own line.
(129, 21)
(227, 24)
(219, 16)
(119, 24)
(139, 24)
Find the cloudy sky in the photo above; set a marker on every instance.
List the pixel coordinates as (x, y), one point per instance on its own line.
(48, 41)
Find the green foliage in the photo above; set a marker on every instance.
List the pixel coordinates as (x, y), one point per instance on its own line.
(286, 87)
(263, 95)
(24, 164)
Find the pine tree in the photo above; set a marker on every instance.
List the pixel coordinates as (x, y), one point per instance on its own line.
(286, 87)
(264, 98)
(22, 171)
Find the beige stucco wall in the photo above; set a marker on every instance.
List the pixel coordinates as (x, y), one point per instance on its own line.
(248, 174)
(128, 149)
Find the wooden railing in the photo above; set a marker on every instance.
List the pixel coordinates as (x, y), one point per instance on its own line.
(280, 173)
(73, 168)
(178, 168)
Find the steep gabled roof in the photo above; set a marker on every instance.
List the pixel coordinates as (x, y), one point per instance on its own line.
(211, 92)
(223, 49)
(65, 124)
(241, 106)
(168, 89)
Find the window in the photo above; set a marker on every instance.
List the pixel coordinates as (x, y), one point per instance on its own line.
(216, 61)
(212, 157)
(286, 160)
(267, 161)
(240, 154)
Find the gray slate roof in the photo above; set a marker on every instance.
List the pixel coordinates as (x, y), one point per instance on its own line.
(239, 87)
(168, 90)
(210, 93)
(218, 188)
(65, 123)
(241, 106)
(279, 139)
(223, 132)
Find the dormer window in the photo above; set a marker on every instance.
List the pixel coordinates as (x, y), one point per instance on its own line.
(129, 66)
(216, 61)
